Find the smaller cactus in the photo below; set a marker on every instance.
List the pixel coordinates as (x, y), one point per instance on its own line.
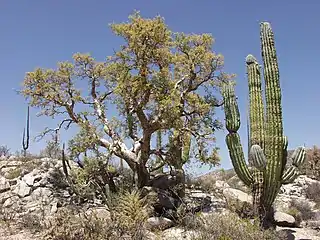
(26, 135)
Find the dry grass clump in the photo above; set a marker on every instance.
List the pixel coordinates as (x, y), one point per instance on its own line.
(300, 210)
(128, 215)
(312, 192)
(68, 225)
(230, 227)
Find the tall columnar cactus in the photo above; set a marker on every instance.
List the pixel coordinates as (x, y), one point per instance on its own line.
(26, 135)
(267, 145)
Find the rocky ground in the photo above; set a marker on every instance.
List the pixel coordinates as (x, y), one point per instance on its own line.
(34, 188)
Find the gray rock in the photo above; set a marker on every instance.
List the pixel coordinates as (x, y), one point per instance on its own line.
(284, 220)
(159, 223)
(313, 224)
(176, 233)
(100, 212)
(221, 184)
(22, 189)
(31, 177)
(10, 201)
(4, 196)
(4, 185)
(237, 194)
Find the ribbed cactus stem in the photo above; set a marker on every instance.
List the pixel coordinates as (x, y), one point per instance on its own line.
(231, 108)
(291, 173)
(267, 144)
(256, 113)
(259, 160)
(26, 134)
(274, 129)
(233, 139)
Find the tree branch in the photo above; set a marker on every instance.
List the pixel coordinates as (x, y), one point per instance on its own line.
(67, 121)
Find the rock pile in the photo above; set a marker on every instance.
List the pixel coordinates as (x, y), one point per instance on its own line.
(37, 186)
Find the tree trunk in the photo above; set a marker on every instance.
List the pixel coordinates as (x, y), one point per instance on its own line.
(180, 182)
(143, 175)
(267, 218)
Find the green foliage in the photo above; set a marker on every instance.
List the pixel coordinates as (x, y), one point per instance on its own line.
(14, 173)
(94, 179)
(268, 146)
(159, 81)
(52, 150)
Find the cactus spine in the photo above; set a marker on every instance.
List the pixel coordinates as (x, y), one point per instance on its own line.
(26, 135)
(267, 145)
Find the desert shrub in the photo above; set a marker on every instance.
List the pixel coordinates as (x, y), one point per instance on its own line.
(304, 210)
(186, 219)
(52, 150)
(226, 174)
(312, 192)
(230, 226)
(4, 151)
(31, 221)
(207, 184)
(57, 179)
(14, 173)
(7, 215)
(126, 180)
(95, 179)
(312, 165)
(68, 224)
(27, 165)
(242, 209)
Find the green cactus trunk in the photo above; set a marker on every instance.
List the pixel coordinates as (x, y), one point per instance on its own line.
(274, 129)
(267, 145)
(256, 128)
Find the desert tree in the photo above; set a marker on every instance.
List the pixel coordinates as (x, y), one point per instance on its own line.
(159, 81)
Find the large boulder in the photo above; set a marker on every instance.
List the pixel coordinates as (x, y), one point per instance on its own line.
(284, 220)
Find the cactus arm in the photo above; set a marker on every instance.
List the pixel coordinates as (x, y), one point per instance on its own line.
(256, 113)
(298, 157)
(232, 113)
(258, 158)
(238, 159)
(26, 136)
(285, 154)
(291, 173)
(233, 139)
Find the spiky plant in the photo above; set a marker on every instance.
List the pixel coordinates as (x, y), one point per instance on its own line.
(129, 211)
(268, 145)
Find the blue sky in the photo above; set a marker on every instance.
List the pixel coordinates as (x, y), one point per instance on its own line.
(41, 33)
